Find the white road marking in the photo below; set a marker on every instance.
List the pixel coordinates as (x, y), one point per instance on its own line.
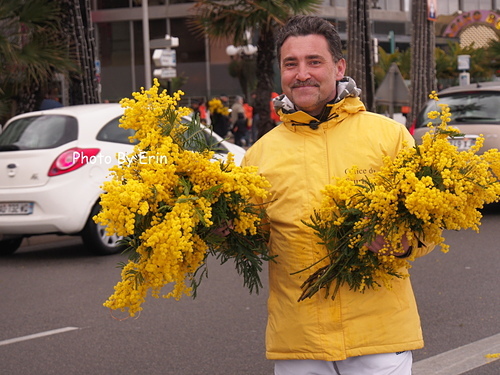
(37, 335)
(459, 360)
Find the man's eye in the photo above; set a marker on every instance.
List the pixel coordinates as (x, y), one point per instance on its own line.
(290, 64)
(315, 62)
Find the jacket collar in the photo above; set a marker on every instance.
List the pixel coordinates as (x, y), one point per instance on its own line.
(346, 102)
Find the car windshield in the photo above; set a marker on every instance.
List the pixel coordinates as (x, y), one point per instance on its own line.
(38, 133)
(475, 107)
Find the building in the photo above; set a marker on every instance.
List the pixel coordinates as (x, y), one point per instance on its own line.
(203, 65)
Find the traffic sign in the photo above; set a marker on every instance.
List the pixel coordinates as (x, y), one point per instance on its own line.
(164, 58)
(167, 42)
(165, 73)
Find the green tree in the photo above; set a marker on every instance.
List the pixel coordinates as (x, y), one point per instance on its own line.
(31, 51)
(485, 63)
(233, 18)
(385, 60)
(482, 64)
(493, 56)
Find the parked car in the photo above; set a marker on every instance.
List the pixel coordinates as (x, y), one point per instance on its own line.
(52, 164)
(475, 110)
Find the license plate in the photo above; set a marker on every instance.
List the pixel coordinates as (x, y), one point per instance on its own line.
(463, 143)
(16, 208)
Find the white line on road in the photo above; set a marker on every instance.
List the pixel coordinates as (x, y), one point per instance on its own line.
(37, 335)
(459, 360)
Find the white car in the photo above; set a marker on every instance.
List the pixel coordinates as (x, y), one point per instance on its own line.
(52, 164)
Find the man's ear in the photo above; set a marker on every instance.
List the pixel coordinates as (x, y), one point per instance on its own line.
(341, 67)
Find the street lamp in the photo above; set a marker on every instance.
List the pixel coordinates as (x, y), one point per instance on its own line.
(242, 51)
(247, 50)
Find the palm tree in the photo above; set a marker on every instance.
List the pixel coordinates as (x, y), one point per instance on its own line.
(360, 50)
(31, 50)
(78, 27)
(233, 18)
(423, 72)
(44, 42)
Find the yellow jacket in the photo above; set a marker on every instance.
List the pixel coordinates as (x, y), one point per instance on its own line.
(299, 161)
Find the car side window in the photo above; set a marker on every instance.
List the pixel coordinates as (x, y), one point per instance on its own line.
(112, 132)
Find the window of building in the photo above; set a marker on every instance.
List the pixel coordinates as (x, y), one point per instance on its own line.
(114, 4)
(477, 4)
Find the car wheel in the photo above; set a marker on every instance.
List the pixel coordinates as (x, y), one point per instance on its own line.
(9, 246)
(95, 238)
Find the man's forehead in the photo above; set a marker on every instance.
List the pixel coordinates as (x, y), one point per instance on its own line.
(312, 56)
(304, 43)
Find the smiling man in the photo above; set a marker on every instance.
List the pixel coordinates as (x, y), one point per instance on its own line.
(325, 131)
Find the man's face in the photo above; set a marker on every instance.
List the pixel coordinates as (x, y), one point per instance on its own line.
(309, 72)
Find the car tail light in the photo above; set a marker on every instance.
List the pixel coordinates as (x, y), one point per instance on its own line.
(72, 159)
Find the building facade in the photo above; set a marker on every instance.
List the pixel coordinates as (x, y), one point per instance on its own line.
(124, 28)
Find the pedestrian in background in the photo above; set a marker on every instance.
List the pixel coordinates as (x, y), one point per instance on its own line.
(219, 115)
(50, 101)
(255, 119)
(249, 116)
(238, 120)
(199, 109)
(274, 115)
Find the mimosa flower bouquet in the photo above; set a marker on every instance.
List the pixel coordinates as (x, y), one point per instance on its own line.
(423, 191)
(169, 204)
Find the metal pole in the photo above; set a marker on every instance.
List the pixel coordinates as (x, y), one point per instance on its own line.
(167, 5)
(392, 85)
(132, 55)
(207, 67)
(145, 37)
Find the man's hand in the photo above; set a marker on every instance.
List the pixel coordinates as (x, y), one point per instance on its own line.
(379, 243)
(224, 229)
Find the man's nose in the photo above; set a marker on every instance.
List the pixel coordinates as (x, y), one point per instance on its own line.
(303, 72)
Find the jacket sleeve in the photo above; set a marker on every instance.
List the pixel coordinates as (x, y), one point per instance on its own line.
(421, 251)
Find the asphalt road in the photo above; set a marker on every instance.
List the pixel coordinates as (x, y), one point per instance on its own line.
(458, 292)
(52, 284)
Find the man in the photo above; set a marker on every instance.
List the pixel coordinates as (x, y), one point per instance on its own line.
(198, 108)
(220, 116)
(325, 131)
(50, 101)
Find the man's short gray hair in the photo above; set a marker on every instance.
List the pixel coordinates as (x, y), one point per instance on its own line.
(304, 25)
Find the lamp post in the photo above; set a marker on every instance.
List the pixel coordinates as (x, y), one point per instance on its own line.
(243, 65)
